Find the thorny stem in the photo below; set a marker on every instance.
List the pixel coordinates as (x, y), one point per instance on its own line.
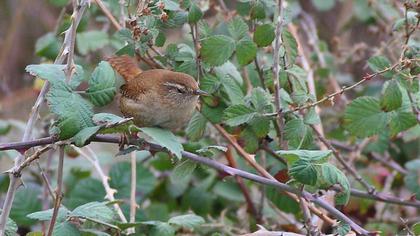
(58, 191)
(232, 162)
(276, 69)
(15, 181)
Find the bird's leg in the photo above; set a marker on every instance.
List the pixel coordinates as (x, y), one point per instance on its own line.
(123, 141)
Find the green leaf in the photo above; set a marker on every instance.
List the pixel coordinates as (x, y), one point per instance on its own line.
(260, 126)
(379, 63)
(11, 228)
(120, 179)
(196, 126)
(391, 98)
(74, 113)
(47, 214)
(416, 228)
(162, 229)
(323, 5)
(111, 123)
(400, 23)
(65, 229)
(87, 190)
(282, 201)
(249, 139)
(194, 14)
(102, 85)
(316, 155)
(171, 5)
(216, 50)
(5, 127)
(342, 229)
(233, 90)
(364, 117)
(298, 134)
(246, 51)
(257, 10)
(228, 190)
(411, 179)
(26, 201)
(304, 171)
(401, 121)
(291, 46)
(183, 171)
(90, 41)
(237, 28)
(187, 221)
(47, 46)
(331, 175)
(261, 100)
(238, 114)
(165, 138)
(55, 73)
(264, 35)
(95, 210)
(85, 134)
(311, 117)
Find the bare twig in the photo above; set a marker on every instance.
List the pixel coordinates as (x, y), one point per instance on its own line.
(387, 161)
(194, 35)
(343, 162)
(232, 162)
(312, 230)
(276, 69)
(108, 14)
(133, 203)
(260, 72)
(58, 191)
(93, 159)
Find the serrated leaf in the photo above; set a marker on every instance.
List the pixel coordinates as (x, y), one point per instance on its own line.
(65, 229)
(363, 117)
(400, 23)
(165, 138)
(282, 201)
(55, 73)
(26, 201)
(111, 123)
(94, 210)
(311, 117)
(47, 214)
(391, 98)
(216, 50)
(401, 121)
(90, 41)
(171, 5)
(120, 179)
(257, 10)
(187, 221)
(11, 228)
(260, 126)
(264, 35)
(261, 100)
(342, 229)
(233, 90)
(331, 175)
(183, 171)
(208, 150)
(237, 28)
(246, 51)
(87, 190)
(298, 134)
(304, 171)
(194, 14)
(83, 135)
(162, 229)
(379, 63)
(74, 113)
(196, 126)
(102, 88)
(47, 46)
(238, 114)
(249, 139)
(315, 155)
(291, 46)
(411, 179)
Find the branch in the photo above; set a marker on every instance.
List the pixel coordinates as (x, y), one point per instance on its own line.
(58, 191)
(108, 14)
(133, 204)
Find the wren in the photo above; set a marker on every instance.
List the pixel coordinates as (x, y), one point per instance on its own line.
(157, 97)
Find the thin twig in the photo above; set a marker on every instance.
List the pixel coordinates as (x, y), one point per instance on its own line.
(108, 14)
(312, 230)
(343, 162)
(133, 203)
(276, 69)
(260, 72)
(58, 190)
(251, 207)
(93, 159)
(194, 35)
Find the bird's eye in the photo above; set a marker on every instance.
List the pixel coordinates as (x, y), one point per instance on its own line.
(180, 90)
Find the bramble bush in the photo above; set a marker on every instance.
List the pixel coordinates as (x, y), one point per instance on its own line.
(322, 148)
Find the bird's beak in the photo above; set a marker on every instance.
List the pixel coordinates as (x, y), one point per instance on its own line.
(201, 92)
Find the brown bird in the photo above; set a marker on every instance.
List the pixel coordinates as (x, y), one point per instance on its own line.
(156, 98)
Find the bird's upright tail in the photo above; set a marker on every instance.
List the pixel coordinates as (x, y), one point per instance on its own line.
(125, 66)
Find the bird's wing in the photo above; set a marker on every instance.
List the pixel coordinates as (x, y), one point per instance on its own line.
(125, 66)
